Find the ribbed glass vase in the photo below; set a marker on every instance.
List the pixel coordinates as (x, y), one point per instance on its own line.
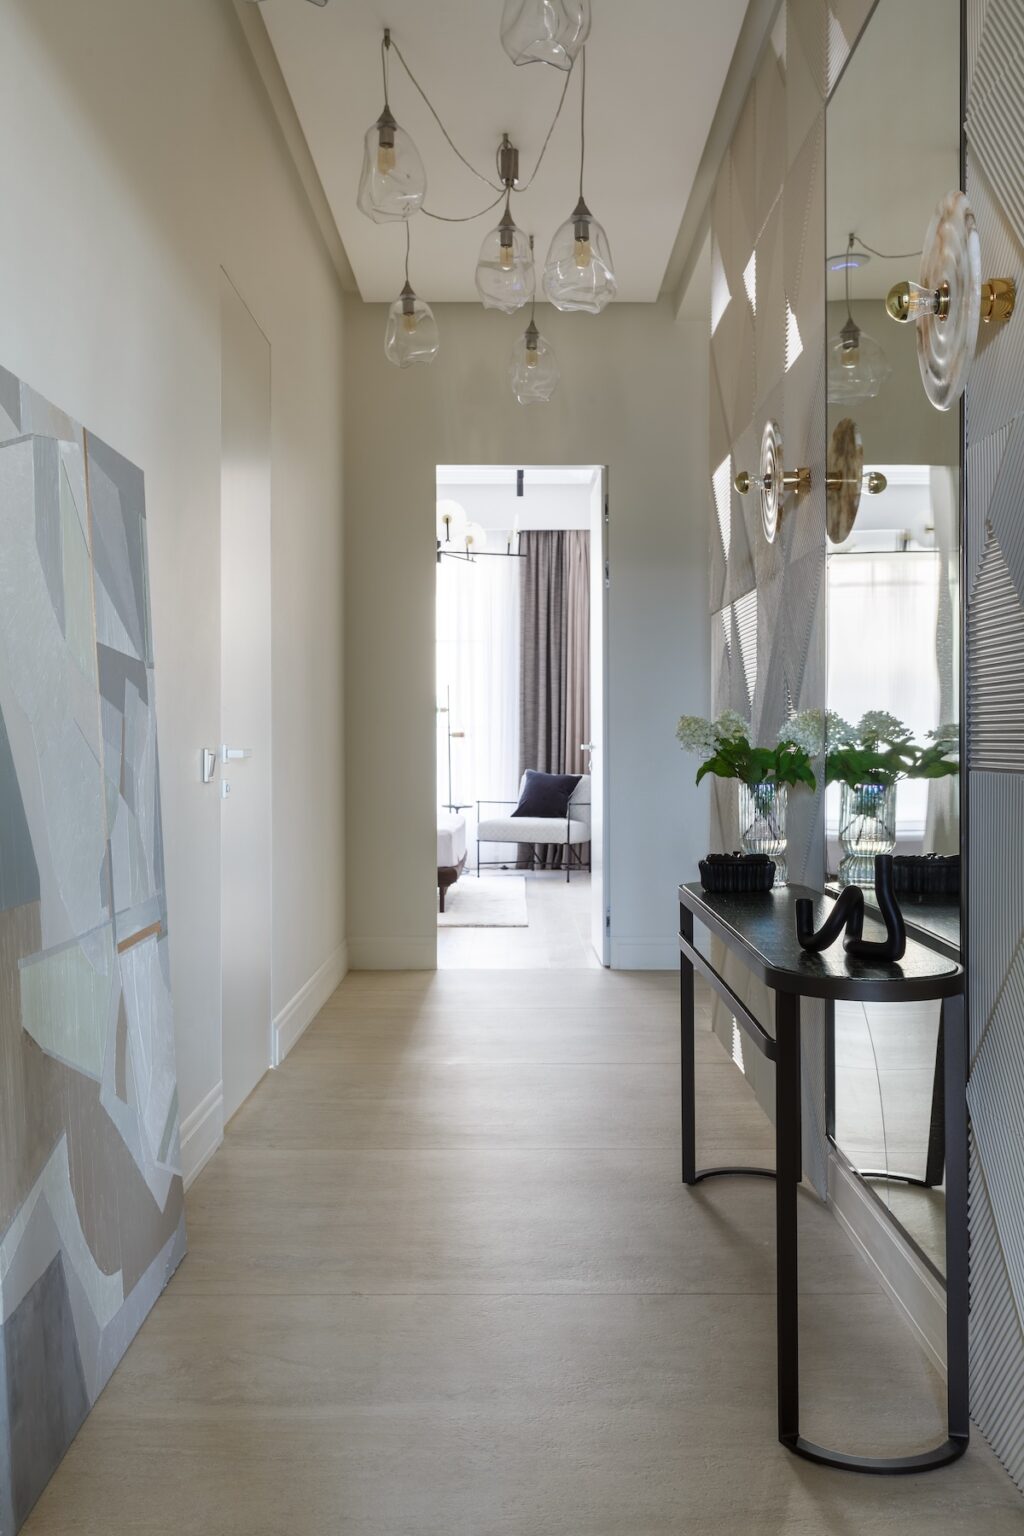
(867, 827)
(763, 823)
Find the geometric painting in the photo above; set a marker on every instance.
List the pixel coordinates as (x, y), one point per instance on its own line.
(91, 1205)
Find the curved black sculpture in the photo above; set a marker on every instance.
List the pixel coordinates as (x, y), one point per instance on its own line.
(848, 913)
(894, 945)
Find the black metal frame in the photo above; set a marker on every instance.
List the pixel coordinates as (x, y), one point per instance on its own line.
(572, 850)
(784, 1050)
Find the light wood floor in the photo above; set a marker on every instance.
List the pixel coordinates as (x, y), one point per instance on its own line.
(444, 1281)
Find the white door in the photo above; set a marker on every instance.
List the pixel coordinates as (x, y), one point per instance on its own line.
(600, 919)
(245, 700)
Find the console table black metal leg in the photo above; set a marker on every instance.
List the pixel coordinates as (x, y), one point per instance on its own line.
(686, 1043)
(954, 1058)
(788, 1174)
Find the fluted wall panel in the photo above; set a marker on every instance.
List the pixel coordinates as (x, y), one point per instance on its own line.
(994, 799)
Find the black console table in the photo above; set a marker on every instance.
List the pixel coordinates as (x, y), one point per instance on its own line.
(761, 930)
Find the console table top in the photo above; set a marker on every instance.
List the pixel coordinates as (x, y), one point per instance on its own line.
(761, 929)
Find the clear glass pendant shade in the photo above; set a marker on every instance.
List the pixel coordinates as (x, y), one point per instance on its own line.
(578, 273)
(504, 269)
(393, 183)
(533, 368)
(451, 521)
(544, 31)
(857, 366)
(411, 335)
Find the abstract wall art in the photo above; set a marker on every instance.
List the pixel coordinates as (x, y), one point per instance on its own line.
(91, 1205)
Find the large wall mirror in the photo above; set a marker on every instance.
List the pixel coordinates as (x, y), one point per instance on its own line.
(893, 497)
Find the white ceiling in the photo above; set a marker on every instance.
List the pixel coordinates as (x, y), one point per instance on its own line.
(655, 69)
(554, 496)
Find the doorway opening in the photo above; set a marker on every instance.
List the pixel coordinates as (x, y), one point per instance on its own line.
(522, 822)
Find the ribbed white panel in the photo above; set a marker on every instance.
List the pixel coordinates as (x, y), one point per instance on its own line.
(997, 1344)
(995, 667)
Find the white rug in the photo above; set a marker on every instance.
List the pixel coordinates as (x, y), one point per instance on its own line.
(493, 901)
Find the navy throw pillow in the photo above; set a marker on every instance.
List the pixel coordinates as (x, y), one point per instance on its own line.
(546, 794)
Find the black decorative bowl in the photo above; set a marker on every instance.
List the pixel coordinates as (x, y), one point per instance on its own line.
(737, 873)
(926, 874)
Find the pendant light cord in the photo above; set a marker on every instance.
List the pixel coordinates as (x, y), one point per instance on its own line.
(885, 255)
(408, 246)
(387, 43)
(583, 115)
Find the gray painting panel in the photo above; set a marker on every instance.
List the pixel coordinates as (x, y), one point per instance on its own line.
(46, 453)
(46, 1388)
(10, 397)
(19, 873)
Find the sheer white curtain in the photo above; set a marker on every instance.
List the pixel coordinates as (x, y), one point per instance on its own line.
(882, 654)
(478, 669)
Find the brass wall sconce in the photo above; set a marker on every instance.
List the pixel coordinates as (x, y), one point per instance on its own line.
(950, 301)
(773, 481)
(845, 480)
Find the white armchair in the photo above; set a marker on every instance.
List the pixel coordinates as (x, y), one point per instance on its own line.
(572, 830)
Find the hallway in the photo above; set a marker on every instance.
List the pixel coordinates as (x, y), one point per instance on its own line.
(443, 1280)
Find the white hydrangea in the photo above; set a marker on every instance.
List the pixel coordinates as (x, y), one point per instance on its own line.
(838, 732)
(695, 734)
(946, 735)
(730, 726)
(805, 730)
(878, 725)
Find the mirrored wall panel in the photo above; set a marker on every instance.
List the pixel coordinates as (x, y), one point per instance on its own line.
(893, 502)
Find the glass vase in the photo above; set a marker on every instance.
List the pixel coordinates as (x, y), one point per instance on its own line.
(867, 827)
(763, 823)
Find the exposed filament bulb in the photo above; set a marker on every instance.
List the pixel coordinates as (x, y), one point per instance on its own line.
(385, 158)
(581, 251)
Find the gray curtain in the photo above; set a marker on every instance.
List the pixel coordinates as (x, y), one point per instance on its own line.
(554, 669)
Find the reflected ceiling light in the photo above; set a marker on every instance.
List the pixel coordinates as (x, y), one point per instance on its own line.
(451, 521)
(393, 182)
(533, 370)
(504, 269)
(411, 335)
(545, 31)
(578, 273)
(857, 366)
(475, 538)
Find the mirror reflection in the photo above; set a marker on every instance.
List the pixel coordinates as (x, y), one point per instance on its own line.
(893, 503)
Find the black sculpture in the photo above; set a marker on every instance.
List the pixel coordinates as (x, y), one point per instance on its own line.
(848, 912)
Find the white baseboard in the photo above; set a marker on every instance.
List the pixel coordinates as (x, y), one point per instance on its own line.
(201, 1134)
(296, 1016)
(903, 1273)
(644, 954)
(392, 954)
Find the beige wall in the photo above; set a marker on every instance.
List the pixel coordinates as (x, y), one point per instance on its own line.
(141, 156)
(633, 396)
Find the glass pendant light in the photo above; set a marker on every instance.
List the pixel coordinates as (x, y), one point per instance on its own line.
(857, 366)
(393, 183)
(578, 273)
(474, 538)
(451, 521)
(504, 269)
(533, 369)
(411, 335)
(545, 31)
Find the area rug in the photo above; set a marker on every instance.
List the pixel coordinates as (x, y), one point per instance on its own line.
(493, 901)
